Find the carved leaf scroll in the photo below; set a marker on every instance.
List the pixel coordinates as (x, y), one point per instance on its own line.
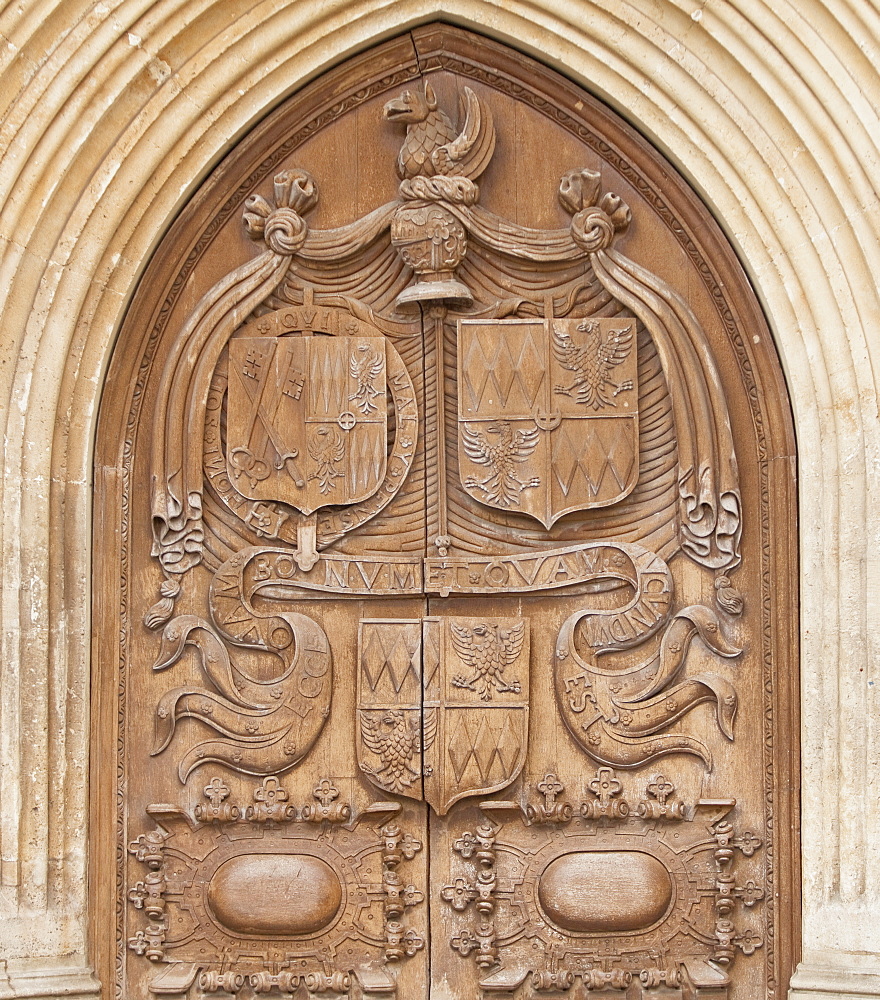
(617, 715)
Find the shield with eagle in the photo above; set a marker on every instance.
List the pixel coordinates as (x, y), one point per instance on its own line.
(389, 705)
(443, 705)
(307, 420)
(476, 701)
(548, 413)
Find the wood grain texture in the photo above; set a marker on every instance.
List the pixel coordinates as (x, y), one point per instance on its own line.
(508, 678)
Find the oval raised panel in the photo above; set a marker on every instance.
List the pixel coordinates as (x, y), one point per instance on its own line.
(600, 891)
(275, 894)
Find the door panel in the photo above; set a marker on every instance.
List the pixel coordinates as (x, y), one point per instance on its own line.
(444, 602)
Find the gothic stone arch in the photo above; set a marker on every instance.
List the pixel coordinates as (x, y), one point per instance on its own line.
(444, 564)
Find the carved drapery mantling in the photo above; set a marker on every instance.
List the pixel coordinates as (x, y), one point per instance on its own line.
(709, 501)
(177, 457)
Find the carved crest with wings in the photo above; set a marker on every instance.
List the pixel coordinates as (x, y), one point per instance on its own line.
(398, 738)
(364, 366)
(499, 451)
(488, 648)
(433, 144)
(593, 362)
(327, 449)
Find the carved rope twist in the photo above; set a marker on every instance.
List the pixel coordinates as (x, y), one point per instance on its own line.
(455, 190)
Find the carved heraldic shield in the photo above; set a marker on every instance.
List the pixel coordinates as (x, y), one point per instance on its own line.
(443, 705)
(307, 419)
(548, 413)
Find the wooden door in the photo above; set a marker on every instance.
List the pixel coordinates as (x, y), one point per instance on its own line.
(444, 546)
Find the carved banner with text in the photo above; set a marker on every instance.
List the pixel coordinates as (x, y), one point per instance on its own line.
(444, 627)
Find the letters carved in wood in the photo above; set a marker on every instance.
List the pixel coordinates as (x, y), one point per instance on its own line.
(444, 586)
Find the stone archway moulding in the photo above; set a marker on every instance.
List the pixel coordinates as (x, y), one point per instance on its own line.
(111, 114)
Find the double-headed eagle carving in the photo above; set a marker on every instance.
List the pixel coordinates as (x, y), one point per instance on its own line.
(433, 145)
(593, 363)
(502, 486)
(488, 648)
(396, 738)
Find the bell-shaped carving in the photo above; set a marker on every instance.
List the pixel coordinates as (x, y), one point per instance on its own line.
(433, 243)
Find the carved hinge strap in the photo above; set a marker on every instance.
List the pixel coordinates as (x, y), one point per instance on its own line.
(180, 407)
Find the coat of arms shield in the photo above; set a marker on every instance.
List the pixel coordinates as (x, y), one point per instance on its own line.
(548, 413)
(476, 679)
(389, 702)
(307, 419)
(443, 705)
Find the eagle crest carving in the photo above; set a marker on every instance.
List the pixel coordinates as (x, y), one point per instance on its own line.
(489, 648)
(499, 452)
(433, 145)
(594, 362)
(398, 738)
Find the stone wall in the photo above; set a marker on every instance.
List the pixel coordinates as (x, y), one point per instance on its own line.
(110, 115)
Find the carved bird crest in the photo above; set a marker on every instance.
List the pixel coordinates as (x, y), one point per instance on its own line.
(396, 738)
(433, 145)
(488, 648)
(364, 366)
(327, 448)
(593, 363)
(500, 453)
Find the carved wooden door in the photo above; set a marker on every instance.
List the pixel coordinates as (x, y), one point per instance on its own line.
(444, 548)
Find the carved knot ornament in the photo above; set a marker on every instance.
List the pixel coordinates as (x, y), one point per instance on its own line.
(282, 226)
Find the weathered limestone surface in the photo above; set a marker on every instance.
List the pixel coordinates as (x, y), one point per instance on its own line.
(110, 114)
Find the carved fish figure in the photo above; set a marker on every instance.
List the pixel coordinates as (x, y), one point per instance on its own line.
(593, 363)
(396, 745)
(488, 649)
(502, 487)
(433, 145)
(364, 365)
